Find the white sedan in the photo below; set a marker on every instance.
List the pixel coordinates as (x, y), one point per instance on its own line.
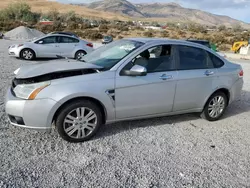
(51, 46)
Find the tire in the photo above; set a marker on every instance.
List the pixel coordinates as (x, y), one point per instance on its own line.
(218, 108)
(79, 128)
(79, 54)
(27, 54)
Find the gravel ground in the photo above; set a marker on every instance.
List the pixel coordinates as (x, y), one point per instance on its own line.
(178, 151)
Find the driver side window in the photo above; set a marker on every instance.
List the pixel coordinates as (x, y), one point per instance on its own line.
(154, 59)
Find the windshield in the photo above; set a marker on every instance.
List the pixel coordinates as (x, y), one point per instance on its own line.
(109, 55)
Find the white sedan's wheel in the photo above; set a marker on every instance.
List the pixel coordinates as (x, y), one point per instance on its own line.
(79, 54)
(27, 54)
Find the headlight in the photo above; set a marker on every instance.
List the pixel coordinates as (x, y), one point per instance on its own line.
(30, 91)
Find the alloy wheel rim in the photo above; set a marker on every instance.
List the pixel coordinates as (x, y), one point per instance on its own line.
(27, 54)
(216, 106)
(80, 122)
(80, 55)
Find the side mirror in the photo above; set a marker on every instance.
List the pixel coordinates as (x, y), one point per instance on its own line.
(136, 70)
(40, 42)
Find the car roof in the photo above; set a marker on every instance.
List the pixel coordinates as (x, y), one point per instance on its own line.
(65, 35)
(172, 41)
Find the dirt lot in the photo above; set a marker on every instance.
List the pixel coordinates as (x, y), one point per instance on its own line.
(178, 151)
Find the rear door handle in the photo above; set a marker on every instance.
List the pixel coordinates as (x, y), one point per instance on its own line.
(166, 77)
(209, 73)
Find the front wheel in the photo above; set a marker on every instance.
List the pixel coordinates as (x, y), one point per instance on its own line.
(215, 107)
(79, 121)
(27, 54)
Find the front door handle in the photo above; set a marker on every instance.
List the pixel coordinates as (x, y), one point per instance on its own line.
(209, 73)
(57, 45)
(166, 77)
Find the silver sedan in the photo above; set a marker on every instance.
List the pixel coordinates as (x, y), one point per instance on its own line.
(51, 46)
(124, 80)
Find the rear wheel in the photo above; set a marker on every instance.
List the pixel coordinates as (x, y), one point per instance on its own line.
(79, 121)
(79, 54)
(27, 54)
(215, 107)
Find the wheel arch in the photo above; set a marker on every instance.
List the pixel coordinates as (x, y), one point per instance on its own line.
(224, 90)
(97, 102)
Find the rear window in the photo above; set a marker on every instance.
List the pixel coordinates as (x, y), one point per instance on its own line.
(193, 58)
(216, 61)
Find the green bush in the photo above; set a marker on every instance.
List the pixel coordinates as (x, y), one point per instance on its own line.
(19, 12)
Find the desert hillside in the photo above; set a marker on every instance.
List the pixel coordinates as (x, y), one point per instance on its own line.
(45, 6)
(164, 12)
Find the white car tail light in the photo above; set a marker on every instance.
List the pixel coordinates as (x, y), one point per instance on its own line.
(241, 73)
(90, 45)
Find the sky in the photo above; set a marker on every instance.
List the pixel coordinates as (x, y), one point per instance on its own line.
(238, 9)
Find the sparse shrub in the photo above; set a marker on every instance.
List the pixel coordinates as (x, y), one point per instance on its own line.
(175, 36)
(120, 37)
(113, 32)
(103, 28)
(139, 28)
(18, 12)
(72, 26)
(85, 26)
(92, 34)
(237, 28)
(164, 34)
(197, 28)
(222, 28)
(53, 14)
(148, 34)
(124, 28)
(224, 47)
(181, 34)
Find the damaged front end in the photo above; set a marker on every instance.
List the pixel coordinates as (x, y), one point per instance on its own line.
(28, 88)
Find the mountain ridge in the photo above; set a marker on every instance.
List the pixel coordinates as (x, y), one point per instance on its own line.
(164, 11)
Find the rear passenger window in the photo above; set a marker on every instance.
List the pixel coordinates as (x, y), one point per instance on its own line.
(216, 61)
(193, 58)
(68, 40)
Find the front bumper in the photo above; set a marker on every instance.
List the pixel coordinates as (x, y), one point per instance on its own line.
(13, 52)
(32, 114)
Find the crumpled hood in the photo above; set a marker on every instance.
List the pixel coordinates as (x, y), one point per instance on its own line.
(30, 71)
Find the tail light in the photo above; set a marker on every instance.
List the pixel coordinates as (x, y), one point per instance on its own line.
(90, 45)
(241, 73)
